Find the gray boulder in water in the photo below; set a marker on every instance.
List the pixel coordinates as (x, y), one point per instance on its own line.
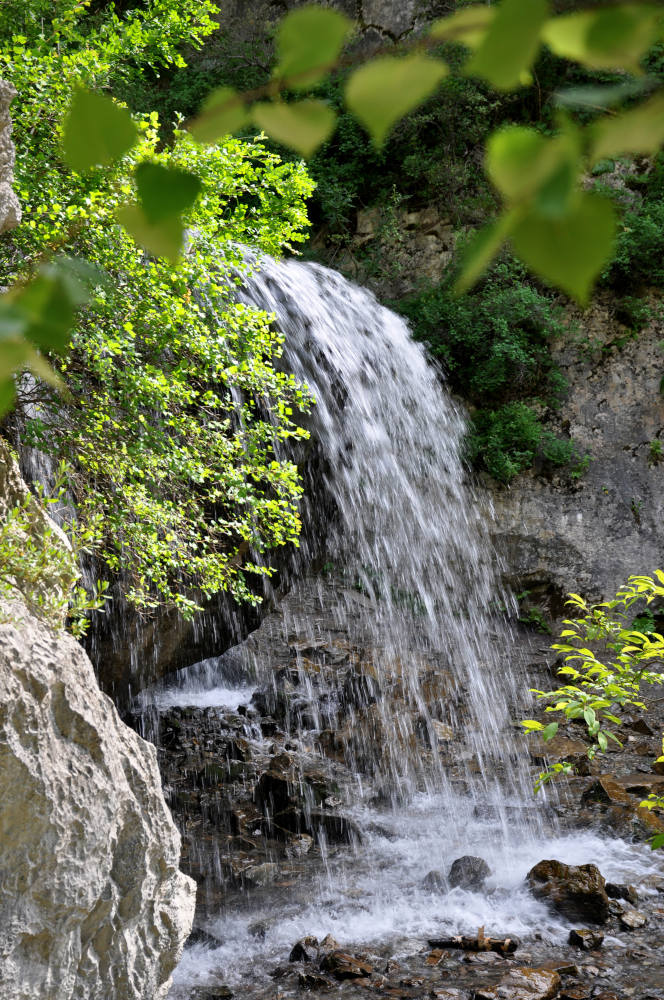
(468, 872)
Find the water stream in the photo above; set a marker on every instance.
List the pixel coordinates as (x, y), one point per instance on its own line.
(411, 590)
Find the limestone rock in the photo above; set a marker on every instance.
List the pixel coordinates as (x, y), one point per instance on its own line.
(523, 984)
(10, 209)
(575, 890)
(92, 904)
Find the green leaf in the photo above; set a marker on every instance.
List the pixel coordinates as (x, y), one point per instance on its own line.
(468, 26)
(222, 113)
(165, 191)
(511, 44)
(549, 731)
(657, 841)
(303, 126)
(97, 132)
(521, 163)
(164, 238)
(48, 305)
(571, 251)
(386, 89)
(7, 391)
(638, 131)
(532, 725)
(481, 250)
(309, 41)
(603, 741)
(610, 38)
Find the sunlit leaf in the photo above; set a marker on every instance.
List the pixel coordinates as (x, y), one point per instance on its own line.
(467, 26)
(549, 731)
(482, 249)
(223, 113)
(163, 239)
(303, 126)
(47, 303)
(97, 131)
(608, 38)
(385, 89)
(510, 46)
(657, 841)
(309, 41)
(638, 131)
(165, 191)
(569, 252)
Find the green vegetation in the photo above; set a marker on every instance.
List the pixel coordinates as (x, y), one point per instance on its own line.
(494, 344)
(609, 654)
(38, 563)
(175, 413)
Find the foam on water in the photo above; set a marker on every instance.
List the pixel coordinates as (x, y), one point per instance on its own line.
(376, 898)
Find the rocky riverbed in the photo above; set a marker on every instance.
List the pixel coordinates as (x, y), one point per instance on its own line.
(278, 778)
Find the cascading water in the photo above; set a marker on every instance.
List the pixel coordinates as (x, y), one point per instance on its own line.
(407, 601)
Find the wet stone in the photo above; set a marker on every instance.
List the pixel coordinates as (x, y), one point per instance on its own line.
(577, 891)
(523, 984)
(314, 981)
(615, 890)
(305, 950)
(468, 872)
(342, 965)
(434, 881)
(633, 920)
(586, 939)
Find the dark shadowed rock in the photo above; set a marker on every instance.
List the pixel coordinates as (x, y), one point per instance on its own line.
(577, 891)
(304, 950)
(586, 939)
(615, 890)
(468, 873)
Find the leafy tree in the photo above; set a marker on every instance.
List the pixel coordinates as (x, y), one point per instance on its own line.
(174, 414)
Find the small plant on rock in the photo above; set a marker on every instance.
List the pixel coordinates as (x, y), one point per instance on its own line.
(606, 662)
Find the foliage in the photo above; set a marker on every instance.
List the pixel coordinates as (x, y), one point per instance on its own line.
(494, 345)
(598, 689)
(176, 413)
(557, 227)
(37, 561)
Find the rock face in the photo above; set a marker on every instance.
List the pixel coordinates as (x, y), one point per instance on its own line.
(577, 891)
(92, 904)
(10, 209)
(588, 536)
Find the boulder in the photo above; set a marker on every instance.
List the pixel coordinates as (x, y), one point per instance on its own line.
(523, 984)
(92, 904)
(577, 891)
(468, 873)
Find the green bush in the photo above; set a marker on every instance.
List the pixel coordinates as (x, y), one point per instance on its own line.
(506, 441)
(494, 345)
(176, 412)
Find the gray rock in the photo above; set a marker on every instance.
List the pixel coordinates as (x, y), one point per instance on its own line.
(92, 904)
(434, 881)
(468, 873)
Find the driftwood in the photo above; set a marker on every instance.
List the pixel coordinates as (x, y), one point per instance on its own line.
(503, 946)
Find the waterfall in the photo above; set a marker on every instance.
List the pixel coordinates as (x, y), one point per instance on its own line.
(435, 765)
(408, 529)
